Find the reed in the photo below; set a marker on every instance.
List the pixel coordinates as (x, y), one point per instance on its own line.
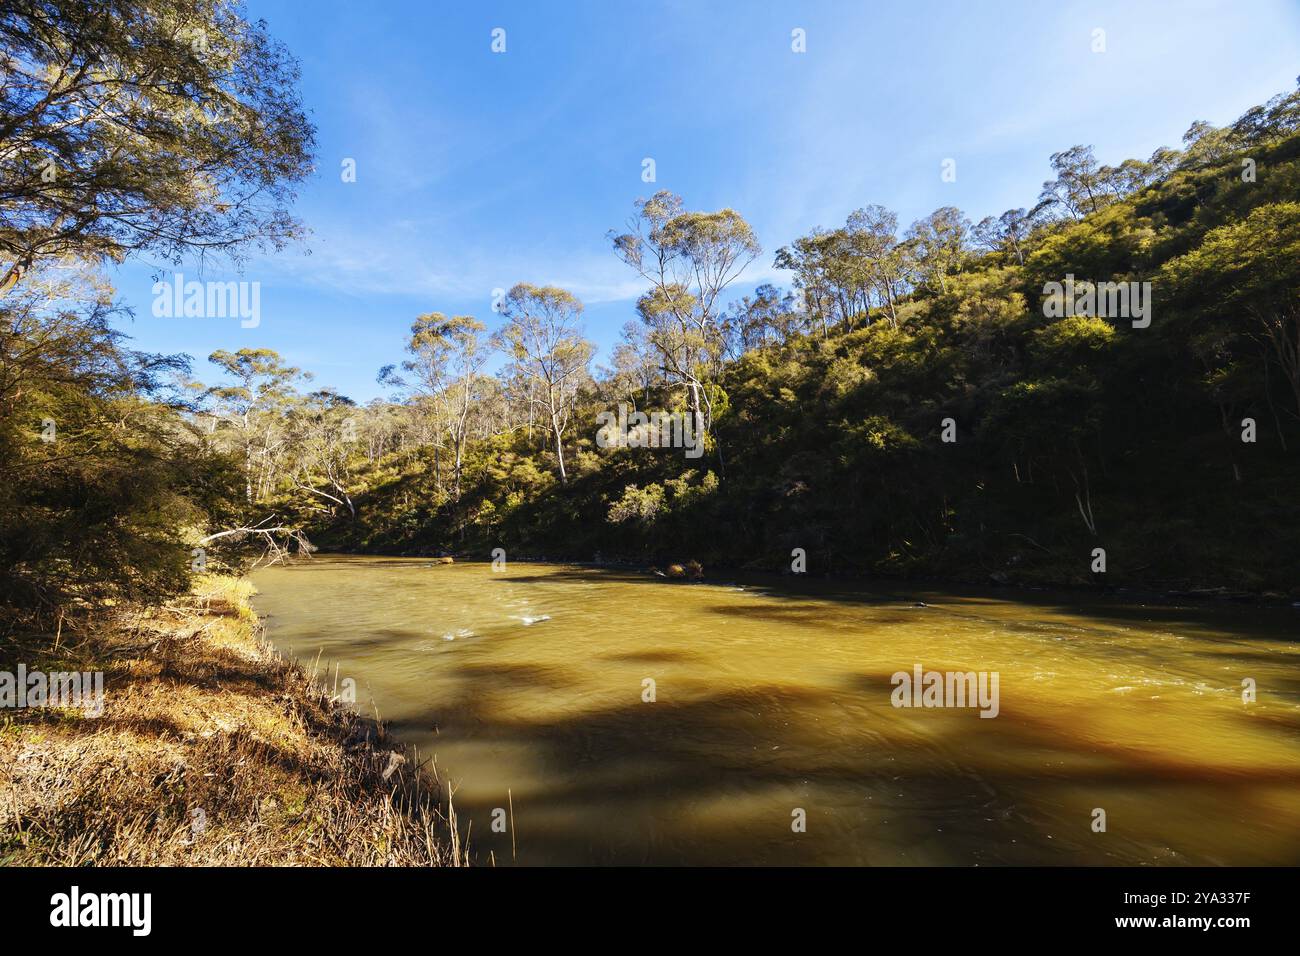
(212, 750)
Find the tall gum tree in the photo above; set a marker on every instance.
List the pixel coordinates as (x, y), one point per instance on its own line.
(688, 258)
(447, 359)
(167, 127)
(544, 339)
(262, 386)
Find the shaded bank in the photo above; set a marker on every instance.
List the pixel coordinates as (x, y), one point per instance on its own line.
(211, 749)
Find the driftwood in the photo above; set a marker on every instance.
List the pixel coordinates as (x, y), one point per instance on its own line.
(278, 540)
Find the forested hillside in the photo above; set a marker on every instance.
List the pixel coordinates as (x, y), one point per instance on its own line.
(1170, 442)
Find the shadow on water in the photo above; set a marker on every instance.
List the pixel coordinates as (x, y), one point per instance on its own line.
(1266, 622)
(714, 780)
(649, 657)
(713, 774)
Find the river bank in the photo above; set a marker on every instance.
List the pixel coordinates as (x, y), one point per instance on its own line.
(1138, 591)
(209, 749)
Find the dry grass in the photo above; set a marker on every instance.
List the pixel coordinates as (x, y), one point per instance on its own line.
(202, 720)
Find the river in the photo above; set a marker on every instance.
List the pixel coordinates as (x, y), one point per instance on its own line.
(615, 718)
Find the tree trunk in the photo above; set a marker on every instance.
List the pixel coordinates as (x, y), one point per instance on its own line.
(559, 450)
(248, 471)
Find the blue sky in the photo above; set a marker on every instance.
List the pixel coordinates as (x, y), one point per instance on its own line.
(477, 170)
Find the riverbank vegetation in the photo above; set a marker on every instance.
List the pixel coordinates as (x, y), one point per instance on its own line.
(920, 402)
(210, 749)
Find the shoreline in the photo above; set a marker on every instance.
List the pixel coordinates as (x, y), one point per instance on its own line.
(723, 573)
(212, 749)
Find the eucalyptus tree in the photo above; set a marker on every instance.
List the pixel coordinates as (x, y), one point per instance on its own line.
(1007, 233)
(810, 258)
(445, 376)
(766, 318)
(939, 244)
(323, 435)
(843, 273)
(1078, 188)
(635, 368)
(872, 238)
(689, 259)
(468, 390)
(253, 403)
(171, 127)
(544, 340)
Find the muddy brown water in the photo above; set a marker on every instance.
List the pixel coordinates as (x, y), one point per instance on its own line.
(773, 702)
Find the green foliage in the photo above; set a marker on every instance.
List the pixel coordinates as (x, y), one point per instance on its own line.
(638, 504)
(163, 125)
(1071, 431)
(103, 490)
(825, 408)
(170, 127)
